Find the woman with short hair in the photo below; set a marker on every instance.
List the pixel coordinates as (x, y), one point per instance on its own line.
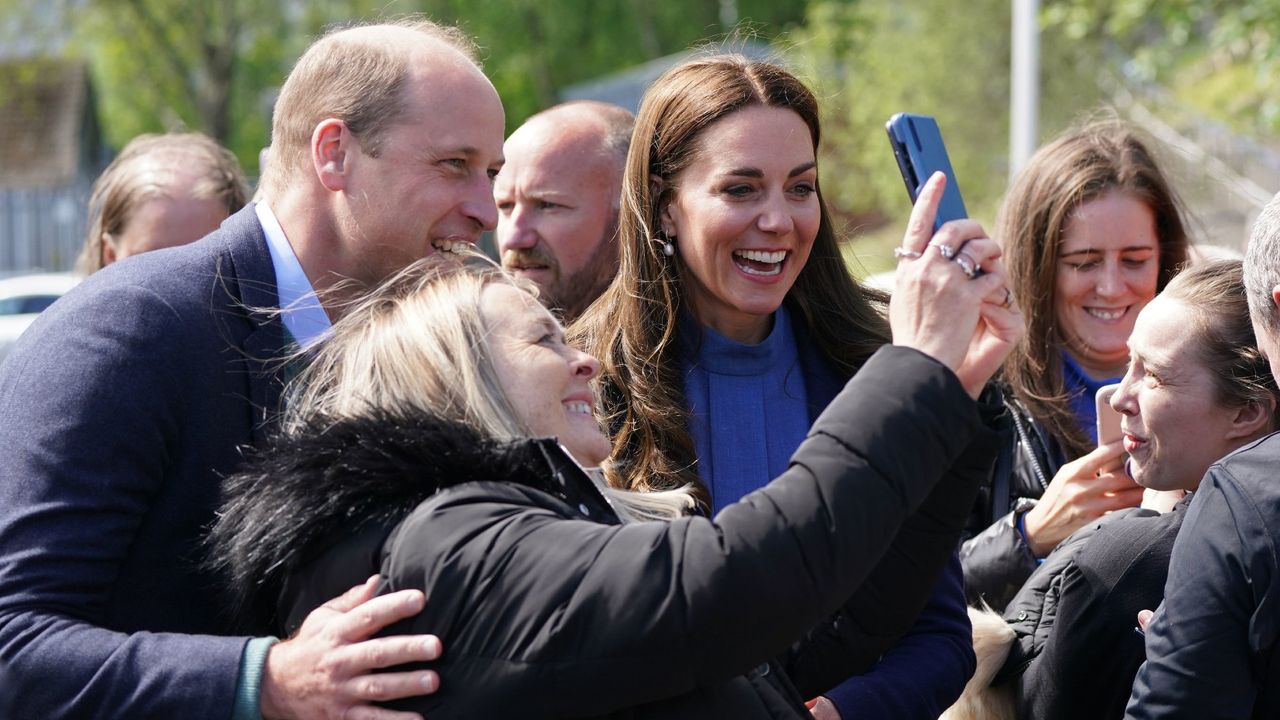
(1197, 389)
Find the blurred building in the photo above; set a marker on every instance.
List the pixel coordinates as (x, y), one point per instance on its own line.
(51, 149)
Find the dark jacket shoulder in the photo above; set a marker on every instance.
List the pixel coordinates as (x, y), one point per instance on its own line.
(1076, 654)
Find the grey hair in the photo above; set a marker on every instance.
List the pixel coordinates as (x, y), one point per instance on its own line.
(418, 344)
(1262, 266)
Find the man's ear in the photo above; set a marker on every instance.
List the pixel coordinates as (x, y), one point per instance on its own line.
(1275, 298)
(332, 145)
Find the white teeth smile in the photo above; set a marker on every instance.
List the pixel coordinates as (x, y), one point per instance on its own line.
(577, 406)
(1105, 314)
(774, 258)
(761, 256)
(450, 246)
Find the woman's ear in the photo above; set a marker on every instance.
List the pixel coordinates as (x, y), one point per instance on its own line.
(1252, 419)
(656, 186)
(108, 254)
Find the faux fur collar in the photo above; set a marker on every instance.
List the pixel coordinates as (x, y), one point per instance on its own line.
(336, 479)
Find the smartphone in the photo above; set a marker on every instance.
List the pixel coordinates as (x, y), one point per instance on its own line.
(917, 144)
(1108, 418)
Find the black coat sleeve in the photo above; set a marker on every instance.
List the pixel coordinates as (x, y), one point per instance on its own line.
(873, 620)
(616, 616)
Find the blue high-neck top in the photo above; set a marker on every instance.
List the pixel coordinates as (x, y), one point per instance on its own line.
(1081, 390)
(757, 395)
(764, 397)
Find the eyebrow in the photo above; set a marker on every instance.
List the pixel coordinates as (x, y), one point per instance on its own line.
(758, 173)
(470, 151)
(549, 325)
(1096, 251)
(1159, 364)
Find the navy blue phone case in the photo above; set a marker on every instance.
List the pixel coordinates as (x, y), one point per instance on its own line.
(917, 144)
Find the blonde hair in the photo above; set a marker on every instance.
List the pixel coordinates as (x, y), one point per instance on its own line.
(352, 79)
(418, 344)
(144, 170)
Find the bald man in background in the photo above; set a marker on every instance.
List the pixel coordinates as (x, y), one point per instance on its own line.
(558, 197)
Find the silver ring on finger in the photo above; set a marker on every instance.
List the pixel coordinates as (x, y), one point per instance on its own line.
(1008, 299)
(967, 264)
(945, 250)
(901, 252)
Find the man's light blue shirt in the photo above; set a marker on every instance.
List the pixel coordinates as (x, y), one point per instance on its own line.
(300, 309)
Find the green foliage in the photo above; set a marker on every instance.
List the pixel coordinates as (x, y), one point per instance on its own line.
(870, 59)
(1222, 55)
(214, 66)
(162, 65)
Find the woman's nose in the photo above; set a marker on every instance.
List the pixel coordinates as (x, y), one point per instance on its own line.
(586, 365)
(775, 217)
(1122, 401)
(1110, 280)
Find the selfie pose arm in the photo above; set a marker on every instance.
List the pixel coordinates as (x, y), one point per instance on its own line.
(927, 670)
(626, 615)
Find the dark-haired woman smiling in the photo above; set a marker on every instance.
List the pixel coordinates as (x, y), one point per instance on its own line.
(733, 322)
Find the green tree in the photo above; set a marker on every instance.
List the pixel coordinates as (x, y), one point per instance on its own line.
(170, 64)
(872, 58)
(1224, 55)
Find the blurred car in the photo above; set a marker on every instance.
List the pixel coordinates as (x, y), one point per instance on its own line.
(22, 297)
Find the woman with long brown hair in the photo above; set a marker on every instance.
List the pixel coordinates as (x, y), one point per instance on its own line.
(1091, 231)
(733, 321)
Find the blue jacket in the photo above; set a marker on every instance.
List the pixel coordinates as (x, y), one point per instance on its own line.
(120, 409)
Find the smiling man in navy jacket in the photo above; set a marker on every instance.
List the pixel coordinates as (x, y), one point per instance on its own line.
(129, 399)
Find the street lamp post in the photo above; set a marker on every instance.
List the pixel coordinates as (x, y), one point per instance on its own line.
(1024, 101)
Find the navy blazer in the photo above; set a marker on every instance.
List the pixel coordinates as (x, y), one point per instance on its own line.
(120, 410)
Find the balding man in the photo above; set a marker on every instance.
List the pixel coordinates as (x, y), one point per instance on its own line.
(558, 201)
(124, 405)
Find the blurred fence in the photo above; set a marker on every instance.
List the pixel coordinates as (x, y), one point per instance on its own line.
(42, 228)
(1223, 177)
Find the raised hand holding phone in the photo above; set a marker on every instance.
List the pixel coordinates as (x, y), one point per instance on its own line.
(939, 228)
(918, 147)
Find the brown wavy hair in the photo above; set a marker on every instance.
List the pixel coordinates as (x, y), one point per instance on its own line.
(631, 328)
(1084, 164)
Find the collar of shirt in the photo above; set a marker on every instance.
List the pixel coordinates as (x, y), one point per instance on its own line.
(300, 309)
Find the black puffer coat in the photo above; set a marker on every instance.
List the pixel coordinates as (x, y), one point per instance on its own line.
(548, 607)
(996, 559)
(1076, 652)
